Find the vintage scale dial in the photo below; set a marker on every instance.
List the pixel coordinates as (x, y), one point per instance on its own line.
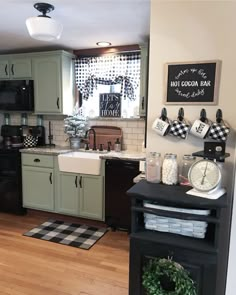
(205, 175)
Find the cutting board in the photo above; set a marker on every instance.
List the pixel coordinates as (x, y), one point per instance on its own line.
(104, 134)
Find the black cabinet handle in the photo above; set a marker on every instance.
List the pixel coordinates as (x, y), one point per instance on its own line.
(80, 181)
(12, 69)
(50, 178)
(58, 103)
(76, 181)
(142, 103)
(6, 70)
(36, 160)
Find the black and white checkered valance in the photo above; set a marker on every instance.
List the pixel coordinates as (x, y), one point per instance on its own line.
(108, 69)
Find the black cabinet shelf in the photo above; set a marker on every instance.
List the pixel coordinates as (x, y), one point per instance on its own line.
(173, 195)
(201, 245)
(179, 215)
(200, 256)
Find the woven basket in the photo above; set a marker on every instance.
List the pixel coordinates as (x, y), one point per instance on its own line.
(191, 228)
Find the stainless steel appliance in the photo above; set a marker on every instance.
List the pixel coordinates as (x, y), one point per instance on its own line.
(16, 95)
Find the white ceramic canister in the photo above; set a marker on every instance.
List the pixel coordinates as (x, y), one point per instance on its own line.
(170, 169)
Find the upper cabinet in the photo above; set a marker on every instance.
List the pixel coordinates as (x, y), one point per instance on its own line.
(54, 88)
(143, 80)
(13, 67)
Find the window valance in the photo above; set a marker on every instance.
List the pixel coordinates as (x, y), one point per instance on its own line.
(108, 69)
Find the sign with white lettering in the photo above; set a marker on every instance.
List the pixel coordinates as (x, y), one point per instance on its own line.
(192, 82)
(110, 105)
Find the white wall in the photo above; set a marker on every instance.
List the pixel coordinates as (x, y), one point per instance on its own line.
(193, 31)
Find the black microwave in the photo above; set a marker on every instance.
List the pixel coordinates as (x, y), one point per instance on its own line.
(17, 95)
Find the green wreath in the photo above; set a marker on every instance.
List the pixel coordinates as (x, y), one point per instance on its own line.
(165, 277)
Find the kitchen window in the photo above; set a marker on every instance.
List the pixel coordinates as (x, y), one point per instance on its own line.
(109, 73)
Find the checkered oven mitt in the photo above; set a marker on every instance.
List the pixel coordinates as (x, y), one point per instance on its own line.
(179, 127)
(30, 141)
(219, 130)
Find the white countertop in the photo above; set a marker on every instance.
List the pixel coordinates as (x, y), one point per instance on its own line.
(123, 155)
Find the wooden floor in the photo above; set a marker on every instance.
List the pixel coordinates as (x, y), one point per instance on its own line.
(30, 266)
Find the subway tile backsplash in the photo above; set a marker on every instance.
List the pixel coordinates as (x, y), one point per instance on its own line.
(133, 130)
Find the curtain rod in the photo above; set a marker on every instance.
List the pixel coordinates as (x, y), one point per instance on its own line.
(109, 53)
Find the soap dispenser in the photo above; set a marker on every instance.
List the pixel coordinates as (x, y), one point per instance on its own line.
(117, 146)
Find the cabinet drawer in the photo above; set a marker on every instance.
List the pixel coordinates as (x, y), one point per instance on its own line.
(37, 160)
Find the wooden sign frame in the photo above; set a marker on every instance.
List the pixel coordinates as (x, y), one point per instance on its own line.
(192, 83)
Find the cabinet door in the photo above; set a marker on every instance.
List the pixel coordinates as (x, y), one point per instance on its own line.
(143, 80)
(47, 86)
(68, 194)
(20, 68)
(91, 197)
(4, 69)
(38, 188)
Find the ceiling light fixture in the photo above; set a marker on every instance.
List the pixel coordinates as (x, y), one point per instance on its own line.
(103, 43)
(42, 27)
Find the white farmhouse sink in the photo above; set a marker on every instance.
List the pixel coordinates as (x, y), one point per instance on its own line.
(80, 162)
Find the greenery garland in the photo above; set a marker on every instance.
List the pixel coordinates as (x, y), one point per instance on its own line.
(165, 277)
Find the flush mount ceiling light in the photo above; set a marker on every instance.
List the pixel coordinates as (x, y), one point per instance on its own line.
(42, 27)
(103, 43)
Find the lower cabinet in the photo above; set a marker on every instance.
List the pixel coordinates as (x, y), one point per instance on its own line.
(46, 188)
(81, 195)
(38, 188)
(68, 194)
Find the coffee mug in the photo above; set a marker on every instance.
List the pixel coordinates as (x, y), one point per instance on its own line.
(179, 129)
(161, 127)
(219, 131)
(200, 129)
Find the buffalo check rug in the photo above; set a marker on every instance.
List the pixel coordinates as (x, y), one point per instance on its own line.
(71, 234)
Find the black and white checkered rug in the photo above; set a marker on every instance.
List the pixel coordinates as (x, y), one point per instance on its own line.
(71, 234)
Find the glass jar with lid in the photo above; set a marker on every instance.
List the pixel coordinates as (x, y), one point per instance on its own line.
(187, 162)
(170, 169)
(153, 167)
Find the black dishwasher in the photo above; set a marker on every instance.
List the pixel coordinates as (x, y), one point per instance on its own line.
(119, 177)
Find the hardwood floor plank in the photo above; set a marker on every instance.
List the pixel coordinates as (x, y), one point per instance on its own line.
(30, 266)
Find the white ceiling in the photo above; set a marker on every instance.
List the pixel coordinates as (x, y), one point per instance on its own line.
(122, 22)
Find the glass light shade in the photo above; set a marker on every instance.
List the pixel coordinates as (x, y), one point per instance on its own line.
(44, 28)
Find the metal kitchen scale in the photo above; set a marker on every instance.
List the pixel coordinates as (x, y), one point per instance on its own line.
(205, 175)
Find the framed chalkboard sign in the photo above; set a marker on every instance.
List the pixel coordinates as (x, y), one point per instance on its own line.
(110, 105)
(192, 82)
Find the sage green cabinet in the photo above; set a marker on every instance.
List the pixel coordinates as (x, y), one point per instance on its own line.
(54, 89)
(91, 197)
(15, 67)
(81, 195)
(143, 80)
(46, 188)
(38, 188)
(68, 194)
(38, 181)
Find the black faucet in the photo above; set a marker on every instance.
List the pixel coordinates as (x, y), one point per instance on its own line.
(94, 137)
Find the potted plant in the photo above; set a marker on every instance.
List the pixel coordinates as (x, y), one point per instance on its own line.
(76, 126)
(166, 277)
